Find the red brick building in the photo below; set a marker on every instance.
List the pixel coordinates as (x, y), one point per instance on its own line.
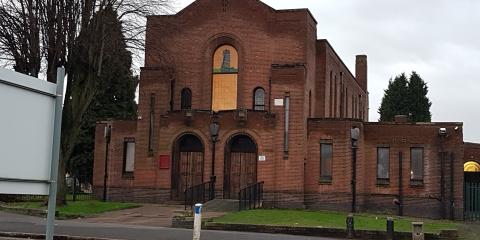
(285, 105)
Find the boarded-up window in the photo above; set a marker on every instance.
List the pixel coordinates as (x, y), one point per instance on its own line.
(326, 152)
(128, 155)
(383, 163)
(225, 76)
(416, 163)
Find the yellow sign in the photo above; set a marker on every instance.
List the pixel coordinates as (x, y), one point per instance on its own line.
(471, 167)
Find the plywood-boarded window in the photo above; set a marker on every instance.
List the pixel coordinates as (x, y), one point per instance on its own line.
(326, 163)
(225, 77)
(416, 164)
(383, 163)
(128, 155)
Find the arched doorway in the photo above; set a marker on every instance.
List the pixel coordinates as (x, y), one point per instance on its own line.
(472, 190)
(240, 165)
(187, 165)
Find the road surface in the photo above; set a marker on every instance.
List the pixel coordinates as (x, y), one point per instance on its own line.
(28, 224)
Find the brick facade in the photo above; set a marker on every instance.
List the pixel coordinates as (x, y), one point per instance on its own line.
(472, 152)
(278, 51)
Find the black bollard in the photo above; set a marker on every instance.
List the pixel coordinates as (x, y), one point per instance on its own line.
(350, 226)
(390, 229)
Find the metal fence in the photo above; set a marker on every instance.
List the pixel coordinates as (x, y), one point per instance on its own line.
(79, 188)
(251, 197)
(472, 201)
(201, 193)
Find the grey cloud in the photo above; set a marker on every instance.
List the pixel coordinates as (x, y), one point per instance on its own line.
(440, 39)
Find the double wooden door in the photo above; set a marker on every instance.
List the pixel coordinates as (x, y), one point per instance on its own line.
(240, 166)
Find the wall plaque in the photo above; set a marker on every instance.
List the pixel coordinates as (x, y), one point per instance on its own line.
(164, 162)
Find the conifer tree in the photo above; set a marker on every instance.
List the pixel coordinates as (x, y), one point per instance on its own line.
(395, 101)
(115, 93)
(418, 100)
(406, 97)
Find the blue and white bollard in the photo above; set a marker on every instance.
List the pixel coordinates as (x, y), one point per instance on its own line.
(197, 222)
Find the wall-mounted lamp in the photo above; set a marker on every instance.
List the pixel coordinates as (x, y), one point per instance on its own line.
(442, 131)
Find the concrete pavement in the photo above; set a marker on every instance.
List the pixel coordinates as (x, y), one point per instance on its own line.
(28, 224)
(152, 215)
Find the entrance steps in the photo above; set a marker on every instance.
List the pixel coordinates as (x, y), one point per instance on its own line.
(221, 205)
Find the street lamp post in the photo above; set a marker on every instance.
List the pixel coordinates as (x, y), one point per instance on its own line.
(108, 134)
(355, 135)
(214, 129)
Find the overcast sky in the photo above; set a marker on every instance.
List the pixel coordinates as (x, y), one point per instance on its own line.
(439, 39)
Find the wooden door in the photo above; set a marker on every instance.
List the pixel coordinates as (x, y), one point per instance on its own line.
(187, 168)
(240, 166)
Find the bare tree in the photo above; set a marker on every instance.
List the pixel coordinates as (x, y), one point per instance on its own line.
(20, 35)
(36, 33)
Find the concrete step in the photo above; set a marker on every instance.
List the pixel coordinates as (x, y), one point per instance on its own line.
(221, 205)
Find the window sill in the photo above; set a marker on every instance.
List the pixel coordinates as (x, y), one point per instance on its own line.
(383, 182)
(325, 181)
(416, 183)
(128, 176)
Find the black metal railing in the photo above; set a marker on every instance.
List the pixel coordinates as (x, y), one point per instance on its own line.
(251, 197)
(200, 193)
(79, 188)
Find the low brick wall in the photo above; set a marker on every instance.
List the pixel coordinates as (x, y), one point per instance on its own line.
(137, 195)
(187, 222)
(323, 232)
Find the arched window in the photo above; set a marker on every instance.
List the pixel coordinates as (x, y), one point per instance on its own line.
(225, 75)
(186, 101)
(259, 99)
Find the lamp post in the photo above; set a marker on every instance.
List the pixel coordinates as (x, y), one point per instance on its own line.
(355, 135)
(214, 129)
(107, 135)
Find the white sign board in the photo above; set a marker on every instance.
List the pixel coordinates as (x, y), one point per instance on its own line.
(278, 102)
(262, 158)
(27, 107)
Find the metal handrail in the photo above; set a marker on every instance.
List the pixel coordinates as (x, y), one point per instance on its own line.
(200, 193)
(251, 197)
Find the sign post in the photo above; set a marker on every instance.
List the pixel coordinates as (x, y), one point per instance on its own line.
(32, 120)
(57, 129)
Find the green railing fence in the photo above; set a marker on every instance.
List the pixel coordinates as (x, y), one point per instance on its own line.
(472, 201)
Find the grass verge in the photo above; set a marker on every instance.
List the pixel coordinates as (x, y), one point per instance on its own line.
(330, 219)
(78, 208)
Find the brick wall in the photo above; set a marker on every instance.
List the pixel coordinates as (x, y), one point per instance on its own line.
(426, 198)
(472, 152)
(115, 165)
(339, 93)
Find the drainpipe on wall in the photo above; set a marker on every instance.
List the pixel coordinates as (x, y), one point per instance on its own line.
(442, 182)
(400, 184)
(452, 190)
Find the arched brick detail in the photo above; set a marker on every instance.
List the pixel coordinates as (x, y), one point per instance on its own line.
(212, 44)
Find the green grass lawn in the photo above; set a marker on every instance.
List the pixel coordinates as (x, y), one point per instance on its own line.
(329, 219)
(79, 208)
